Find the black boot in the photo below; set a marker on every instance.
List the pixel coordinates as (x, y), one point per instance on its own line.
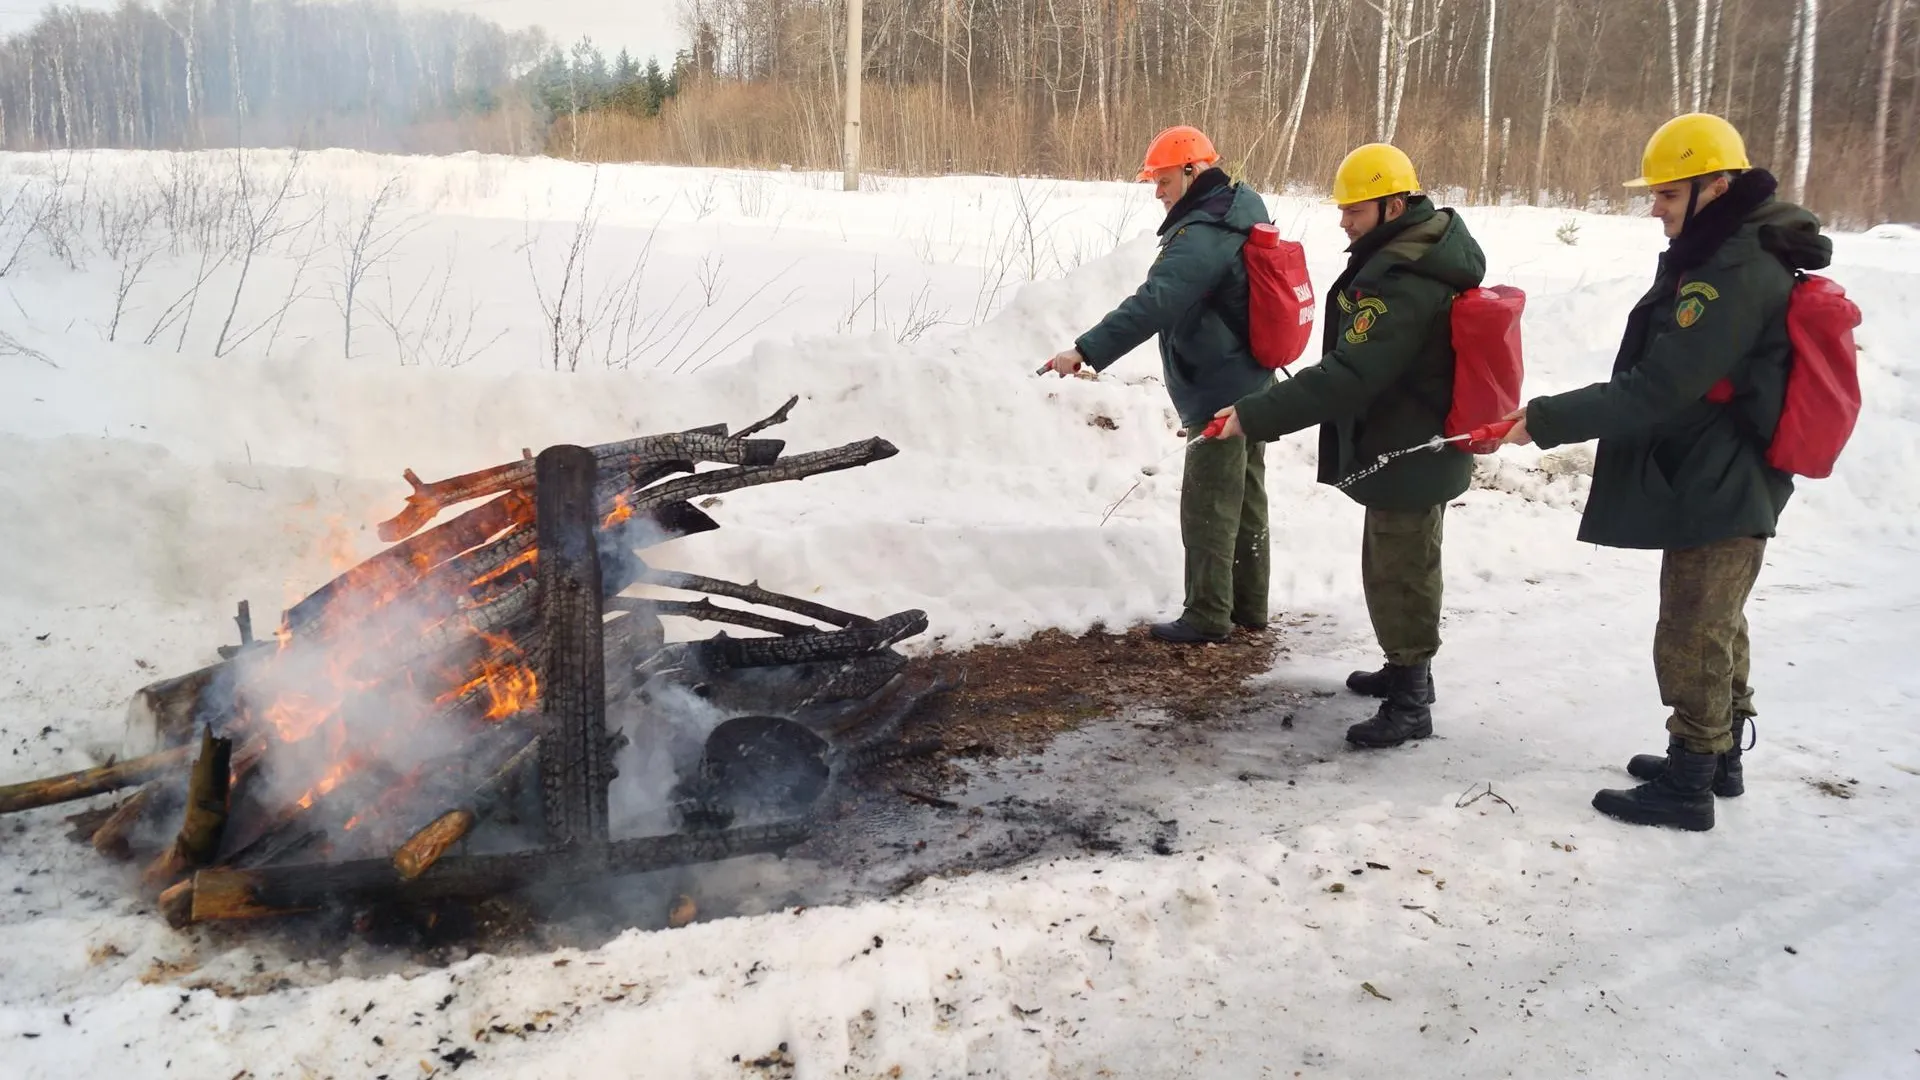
(1380, 683)
(1682, 796)
(1403, 715)
(1729, 780)
(1181, 632)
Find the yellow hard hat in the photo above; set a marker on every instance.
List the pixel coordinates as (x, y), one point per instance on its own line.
(1373, 171)
(1688, 146)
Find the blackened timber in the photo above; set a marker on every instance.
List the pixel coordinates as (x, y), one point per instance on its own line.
(573, 743)
(797, 467)
(631, 455)
(752, 594)
(721, 652)
(404, 563)
(779, 417)
(286, 889)
(708, 611)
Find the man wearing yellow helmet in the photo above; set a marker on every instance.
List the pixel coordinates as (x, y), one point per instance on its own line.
(1384, 382)
(1195, 300)
(1683, 426)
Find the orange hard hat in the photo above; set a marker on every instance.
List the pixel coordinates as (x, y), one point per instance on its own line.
(1175, 147)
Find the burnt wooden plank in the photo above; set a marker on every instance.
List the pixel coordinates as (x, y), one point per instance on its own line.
(573, 746)
(286, 889)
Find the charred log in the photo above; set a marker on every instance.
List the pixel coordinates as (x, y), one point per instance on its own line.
(779, 416)
(752, 594)
(722, 653)
(284, 890)
(573, 742)
(89, 782)
(404, 563)
(708, 611)
(632, 456)
(798, 467)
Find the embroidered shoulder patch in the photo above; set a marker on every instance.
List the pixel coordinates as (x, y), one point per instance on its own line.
(1366, 313)
(1689, 312)
(1700, 289)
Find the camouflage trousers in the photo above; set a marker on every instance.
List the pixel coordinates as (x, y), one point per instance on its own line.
(1700, 652)
(1223, 526)
(1400, 573)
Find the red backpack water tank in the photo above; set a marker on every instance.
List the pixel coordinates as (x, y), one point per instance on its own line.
(1823, 380)
(1279, 297)
(1487, 363)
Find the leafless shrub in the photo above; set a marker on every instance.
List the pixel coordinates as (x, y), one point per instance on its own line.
(711, 276)
(11, 346)
(261, 223)
(443, 335)
(568, 330)
(364, 241)
(703, 198)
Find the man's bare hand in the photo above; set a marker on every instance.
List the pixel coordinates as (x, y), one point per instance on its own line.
(1231, 428)
(1065, 363)
(1517, 436)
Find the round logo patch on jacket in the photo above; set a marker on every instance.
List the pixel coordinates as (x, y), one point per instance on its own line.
(1689, 311)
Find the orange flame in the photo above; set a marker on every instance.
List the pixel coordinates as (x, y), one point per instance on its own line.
(512, 564)
(622, 512)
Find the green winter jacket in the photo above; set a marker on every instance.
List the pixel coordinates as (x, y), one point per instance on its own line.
(1195, 299)
(1385, 379)
(1672, 469)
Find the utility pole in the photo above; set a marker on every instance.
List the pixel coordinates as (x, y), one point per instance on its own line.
(853, 96)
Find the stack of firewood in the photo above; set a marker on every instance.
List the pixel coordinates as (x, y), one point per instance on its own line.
(453, 691)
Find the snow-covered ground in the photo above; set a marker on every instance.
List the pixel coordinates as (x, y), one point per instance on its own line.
(151, 481)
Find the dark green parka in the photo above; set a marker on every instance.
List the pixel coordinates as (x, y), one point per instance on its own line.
(1385, 380)
(1195, 298)
(1674, 470)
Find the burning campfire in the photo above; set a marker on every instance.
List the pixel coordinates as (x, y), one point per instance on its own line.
(441, 720)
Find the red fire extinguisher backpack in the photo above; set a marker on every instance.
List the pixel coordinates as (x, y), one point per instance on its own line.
(1487, 364)
(1279, 297)
(1823, 380)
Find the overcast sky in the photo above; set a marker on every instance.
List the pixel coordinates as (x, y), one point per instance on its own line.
(646, 27)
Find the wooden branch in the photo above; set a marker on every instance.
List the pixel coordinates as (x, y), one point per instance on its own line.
(97, 781)
(573, 700)
(797, 467)
(779, 417)
(284, 890)
(425, 847)
(632, 455)
(709, 611)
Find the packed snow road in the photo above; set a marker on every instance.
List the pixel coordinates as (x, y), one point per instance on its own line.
(1318, 912)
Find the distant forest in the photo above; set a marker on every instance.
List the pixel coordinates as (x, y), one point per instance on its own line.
(1537, 101)
(201, 73)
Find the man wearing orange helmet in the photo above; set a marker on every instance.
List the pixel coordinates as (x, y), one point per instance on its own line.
(1683, 425)
(1384, 382)
(1195, 299)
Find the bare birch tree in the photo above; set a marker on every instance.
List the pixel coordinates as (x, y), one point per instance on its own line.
(1889, 58)
(1803, 151)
